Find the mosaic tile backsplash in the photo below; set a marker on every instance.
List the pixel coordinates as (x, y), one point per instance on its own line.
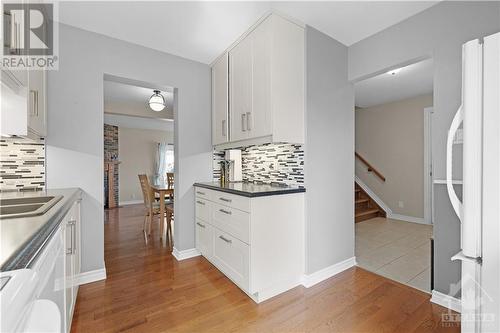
(269, 163)
(22, 164)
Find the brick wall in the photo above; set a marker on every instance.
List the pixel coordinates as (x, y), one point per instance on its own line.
(111, 153)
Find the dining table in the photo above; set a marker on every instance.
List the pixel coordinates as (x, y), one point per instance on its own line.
(163, 190)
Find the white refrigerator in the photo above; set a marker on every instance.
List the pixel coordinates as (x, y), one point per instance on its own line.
(479, 209)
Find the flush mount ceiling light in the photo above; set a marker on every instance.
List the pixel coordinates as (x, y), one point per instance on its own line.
(157, 102)
(394, 71)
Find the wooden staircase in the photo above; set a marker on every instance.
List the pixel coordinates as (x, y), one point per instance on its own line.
(365, 207)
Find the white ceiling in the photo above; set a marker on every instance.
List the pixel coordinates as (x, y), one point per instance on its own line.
(410, 81)
(201, 30)
(132, 100)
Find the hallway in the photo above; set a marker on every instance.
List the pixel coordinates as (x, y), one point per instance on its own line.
(398, 250)
(147, 290)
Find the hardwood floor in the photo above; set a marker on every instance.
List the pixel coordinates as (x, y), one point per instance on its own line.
(147, 290)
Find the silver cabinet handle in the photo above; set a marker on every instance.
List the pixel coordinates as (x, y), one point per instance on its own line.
(224, 128)
(225, 211)
(36, 103)
(201, 225)
(226, 200)
(200, 202)
(32, 101)
(249, 121)
(225, 239)
(243, 125)
(71, 224)
(199, 192)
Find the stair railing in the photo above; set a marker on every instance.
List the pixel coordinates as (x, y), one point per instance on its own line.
(370, 167)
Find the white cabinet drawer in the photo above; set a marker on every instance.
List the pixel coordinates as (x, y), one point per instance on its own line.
(200, 192)
(232, 221)
(202, 209)
(231, 200)
(231, 256)
(204, 238)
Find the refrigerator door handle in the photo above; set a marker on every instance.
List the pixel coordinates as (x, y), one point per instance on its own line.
(455, 202)
(462, 257)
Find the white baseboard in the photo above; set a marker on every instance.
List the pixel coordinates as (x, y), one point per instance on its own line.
(185, 254)
(130, 202)
(266, 294)
(375, 197)
(447, 301)
(407, 218)
(325, 273)
(91, 276)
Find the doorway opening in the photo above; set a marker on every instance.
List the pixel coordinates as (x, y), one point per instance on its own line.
(139, 161)
(393, 169)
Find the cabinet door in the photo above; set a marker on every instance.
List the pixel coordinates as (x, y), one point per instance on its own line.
(220, 125)
(76, 247)
(232, 257)
(204, 238)
(240, 88)
(68, 271)
(54, 287)
(36, 102)
(260, 117)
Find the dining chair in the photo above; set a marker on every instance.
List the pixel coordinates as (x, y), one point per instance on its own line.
(152, 207)
(170, 184)
(169, 211)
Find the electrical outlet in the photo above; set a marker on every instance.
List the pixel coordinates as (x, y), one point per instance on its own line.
(401, 204)
(133, 196)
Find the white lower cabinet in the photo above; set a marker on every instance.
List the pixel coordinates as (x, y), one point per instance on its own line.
(59, 266)
(256, 242)
(204, 238)
(71, 227)
(232, 256)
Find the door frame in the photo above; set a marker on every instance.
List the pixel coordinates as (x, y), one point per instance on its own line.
(428, 188)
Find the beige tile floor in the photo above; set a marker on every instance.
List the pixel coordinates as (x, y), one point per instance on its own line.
(398, 250)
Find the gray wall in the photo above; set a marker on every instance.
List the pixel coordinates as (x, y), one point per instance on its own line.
(438, 32)
(329, 153)
(75, 132)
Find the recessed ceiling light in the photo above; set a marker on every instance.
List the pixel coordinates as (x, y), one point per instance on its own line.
(394, 71)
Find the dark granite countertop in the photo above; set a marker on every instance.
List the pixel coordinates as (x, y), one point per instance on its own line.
(251, 190)
(22, 239)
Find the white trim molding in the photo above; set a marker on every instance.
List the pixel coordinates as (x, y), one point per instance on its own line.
(185, 254)
(91, 276)
(407, 218)
(130, 202)
(443, 181)
(447, 301)
(375, 197)
(326, 273)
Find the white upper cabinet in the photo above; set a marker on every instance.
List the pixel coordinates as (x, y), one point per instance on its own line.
(37, 117)
(23, 91)
(220, 116)
(266, 85)
(24, 103)
(240, 83)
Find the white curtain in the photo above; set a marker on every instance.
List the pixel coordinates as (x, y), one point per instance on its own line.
(169, 158)
(164, 161)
